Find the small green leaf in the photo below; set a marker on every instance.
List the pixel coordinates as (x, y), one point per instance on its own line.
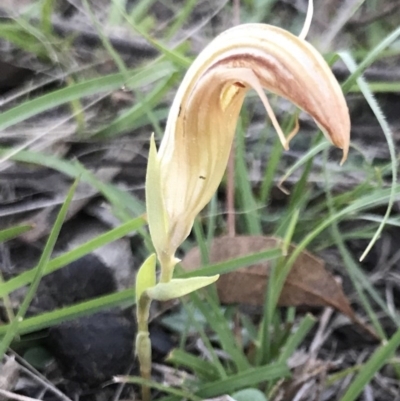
(179, 287)
(38, 357)
(146, 276)
(156, 216)
(249, 394)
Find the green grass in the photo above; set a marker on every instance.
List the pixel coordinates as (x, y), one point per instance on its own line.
(313, 216)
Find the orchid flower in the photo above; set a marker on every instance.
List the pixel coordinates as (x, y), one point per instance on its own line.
(185, 173)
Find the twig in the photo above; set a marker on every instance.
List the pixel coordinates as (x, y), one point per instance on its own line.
(13, 396)
(322, 332)
(35, 375)
(121, 386)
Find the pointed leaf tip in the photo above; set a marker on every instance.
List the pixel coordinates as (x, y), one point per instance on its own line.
(146, 276)
(179, 287)
(156, 213)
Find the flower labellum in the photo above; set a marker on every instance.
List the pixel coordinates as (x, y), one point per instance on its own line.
(185, 173)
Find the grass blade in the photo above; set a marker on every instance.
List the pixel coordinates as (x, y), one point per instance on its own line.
(68, 257)
(12, 330)
(250, 377)
(371, 57)
(233, 264)
(12, 232)
(123, 298)
(351, 65)
(201, 367)
(295, 339)
(137, 78)
(378, 359)
(244, 191)
(124, 204)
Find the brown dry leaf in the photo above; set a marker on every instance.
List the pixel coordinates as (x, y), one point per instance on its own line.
(308, 283)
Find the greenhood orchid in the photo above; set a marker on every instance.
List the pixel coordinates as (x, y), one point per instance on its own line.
(185, 173)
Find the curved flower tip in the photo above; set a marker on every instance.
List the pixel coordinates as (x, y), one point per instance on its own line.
(202, 121)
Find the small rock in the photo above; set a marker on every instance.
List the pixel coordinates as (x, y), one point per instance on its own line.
(93, 349)
(84, 279)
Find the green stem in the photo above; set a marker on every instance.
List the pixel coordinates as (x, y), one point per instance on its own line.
(167, 269)
(143, 343)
